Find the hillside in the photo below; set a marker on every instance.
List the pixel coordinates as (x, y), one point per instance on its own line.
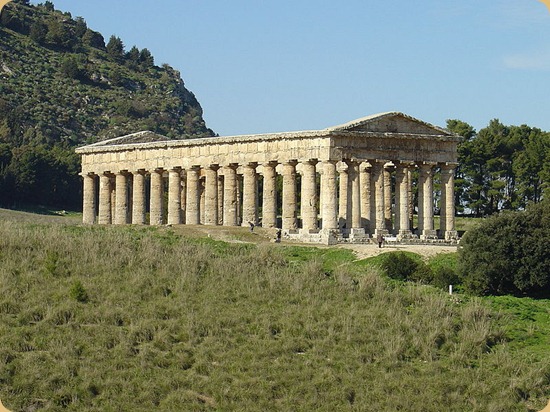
(169, 322)
(63, 85)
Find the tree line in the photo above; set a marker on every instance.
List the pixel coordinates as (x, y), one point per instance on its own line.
(500, 167)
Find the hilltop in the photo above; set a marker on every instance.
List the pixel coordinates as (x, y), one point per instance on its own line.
(63, 85)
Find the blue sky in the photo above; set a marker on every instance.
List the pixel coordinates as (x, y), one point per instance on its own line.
(259, 66)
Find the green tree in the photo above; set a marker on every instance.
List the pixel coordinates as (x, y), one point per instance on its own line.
(508, 254)
(115, 48)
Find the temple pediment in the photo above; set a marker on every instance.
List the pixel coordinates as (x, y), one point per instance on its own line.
(391, 122)
(139, 137)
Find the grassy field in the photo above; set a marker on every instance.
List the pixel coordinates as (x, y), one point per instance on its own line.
(141, 319)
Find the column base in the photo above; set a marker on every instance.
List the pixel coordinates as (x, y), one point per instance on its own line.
(405, 234)
(383, 232)
(357, 233)
(330, 236)
(428, 234)
(451, 235)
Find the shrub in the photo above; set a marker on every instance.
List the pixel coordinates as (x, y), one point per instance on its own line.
(78, 292)
(508, 254)
(405, 266)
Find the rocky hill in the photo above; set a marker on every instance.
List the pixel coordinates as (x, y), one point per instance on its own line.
(63, 85)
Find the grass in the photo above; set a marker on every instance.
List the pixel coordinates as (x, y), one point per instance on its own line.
(124, 318)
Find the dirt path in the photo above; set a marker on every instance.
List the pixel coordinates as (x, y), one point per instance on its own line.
(426, 251)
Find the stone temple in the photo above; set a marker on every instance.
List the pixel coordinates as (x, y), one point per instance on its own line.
(346, 183)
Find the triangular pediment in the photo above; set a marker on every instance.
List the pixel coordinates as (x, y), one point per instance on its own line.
(134, 138)
(391, 122)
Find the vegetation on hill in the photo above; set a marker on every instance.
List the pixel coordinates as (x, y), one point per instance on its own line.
(62, 86)
(124, 318)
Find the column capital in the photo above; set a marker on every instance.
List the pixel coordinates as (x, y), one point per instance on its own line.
(175, 169)
(251, 165)
(213, 166)
(139, 172)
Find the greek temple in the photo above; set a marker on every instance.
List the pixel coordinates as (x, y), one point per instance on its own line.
(387, 174)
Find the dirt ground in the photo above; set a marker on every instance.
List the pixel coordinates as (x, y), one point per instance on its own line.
(426, 251)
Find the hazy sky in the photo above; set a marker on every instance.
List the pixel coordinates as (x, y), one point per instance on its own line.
(265, 66)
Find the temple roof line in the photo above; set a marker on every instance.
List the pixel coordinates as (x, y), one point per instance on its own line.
(380, 124)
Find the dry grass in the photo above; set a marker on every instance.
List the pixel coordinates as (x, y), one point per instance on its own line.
(175, 323)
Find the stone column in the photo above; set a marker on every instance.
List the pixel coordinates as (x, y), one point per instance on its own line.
(89, 195)
(105, 212)
(411, 195)
(388, 169)
(192, 216)
(250, 198)
(354, 193)
(425, 202)
(379, 198)
(121, 202)
(230, 204)
(309, 196)
(138, 198)
(183, 195)
(156, 202)
(202, 200)
(343, 198)
(174, 196)
(289, 195)
(221, 183)
(402, 201)
(329, 203)
(269, 206)
(447, 216)
(211, 195)
(366, 183)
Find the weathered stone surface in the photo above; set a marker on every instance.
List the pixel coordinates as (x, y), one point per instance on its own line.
(353, 163)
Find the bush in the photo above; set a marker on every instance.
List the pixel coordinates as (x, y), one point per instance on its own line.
(508, 254)
(405, 266)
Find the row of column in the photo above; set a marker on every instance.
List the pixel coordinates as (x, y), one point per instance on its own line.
(355, 199)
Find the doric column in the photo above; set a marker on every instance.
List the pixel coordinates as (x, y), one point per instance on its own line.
(192, 216)
(113, 198)
(289, 195)
(121, 202)
(447, 217)
(354, 194)
(174, 196)
(202, 199)
(156, 202)
(221, 183)
(343, 198)
(366, 183)
(89, 195)
(230, 215)
(402, 201)
(250, 197)
(211, 195)
(105, 212)
(309, 196)
(329, 203)
(183, 195)
(410, 194)
(138, 198)
(269, 205)
(388, 169)
(379, 198)
(425, 202)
